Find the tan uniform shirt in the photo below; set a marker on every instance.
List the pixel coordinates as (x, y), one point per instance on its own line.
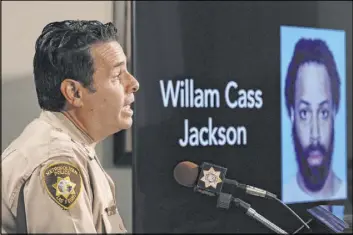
(65, 188)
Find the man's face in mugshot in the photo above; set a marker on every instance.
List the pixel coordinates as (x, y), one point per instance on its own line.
(313, 124)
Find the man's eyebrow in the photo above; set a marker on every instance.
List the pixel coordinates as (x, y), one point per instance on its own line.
(307, 103)
(323, 102)
(304, 102)
(119, 64)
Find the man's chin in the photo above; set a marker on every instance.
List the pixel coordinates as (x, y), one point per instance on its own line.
(126, 123)
(123, 125)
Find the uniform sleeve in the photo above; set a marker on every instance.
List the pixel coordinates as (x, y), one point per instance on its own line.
(57, 201)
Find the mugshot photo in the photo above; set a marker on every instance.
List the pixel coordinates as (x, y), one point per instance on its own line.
(313, 115)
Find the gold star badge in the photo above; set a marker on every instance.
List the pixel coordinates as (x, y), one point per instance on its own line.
(63, 182)
(64, 187)
(211, 178)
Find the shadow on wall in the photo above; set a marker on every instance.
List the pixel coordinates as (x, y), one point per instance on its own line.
(19, 106)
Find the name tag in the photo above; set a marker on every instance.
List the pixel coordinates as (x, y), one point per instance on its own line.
(112, 221)
(112, 210)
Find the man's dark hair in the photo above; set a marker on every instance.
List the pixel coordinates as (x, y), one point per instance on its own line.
(63, 51)
(307, 50)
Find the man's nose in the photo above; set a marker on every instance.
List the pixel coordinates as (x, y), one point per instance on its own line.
(315, 131)
(133, 85)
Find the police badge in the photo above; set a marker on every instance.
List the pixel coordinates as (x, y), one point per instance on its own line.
(210, 180)
(63, 182)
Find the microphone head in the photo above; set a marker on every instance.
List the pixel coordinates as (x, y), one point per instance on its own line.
(207, 178)
(186, 173)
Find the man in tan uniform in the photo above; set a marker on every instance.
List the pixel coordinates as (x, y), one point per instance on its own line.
(52, 181)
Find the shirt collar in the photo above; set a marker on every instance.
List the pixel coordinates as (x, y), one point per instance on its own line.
(60, 121)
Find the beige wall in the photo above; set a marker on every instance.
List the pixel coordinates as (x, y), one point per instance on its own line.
(22, 23)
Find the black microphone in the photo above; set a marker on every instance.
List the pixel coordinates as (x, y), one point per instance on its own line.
(209, 179)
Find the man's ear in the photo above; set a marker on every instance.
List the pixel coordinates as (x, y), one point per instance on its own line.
(291, 114)
(72, 91)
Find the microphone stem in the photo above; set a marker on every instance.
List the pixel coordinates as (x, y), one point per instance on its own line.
(231, 182)
(265, 194)
(252, 213)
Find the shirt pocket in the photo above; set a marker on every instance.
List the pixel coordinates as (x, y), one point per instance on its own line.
(112, 221)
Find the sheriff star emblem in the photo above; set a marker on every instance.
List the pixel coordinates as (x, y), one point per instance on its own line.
(63, 182)
(211, 178)
(64, 187)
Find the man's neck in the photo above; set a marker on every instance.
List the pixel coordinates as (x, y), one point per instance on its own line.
(327, 190)
(71, 117)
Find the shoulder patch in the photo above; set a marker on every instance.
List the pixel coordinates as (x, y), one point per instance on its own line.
(63, 182)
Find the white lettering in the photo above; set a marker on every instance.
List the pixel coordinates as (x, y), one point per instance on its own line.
(213, 136)
(184, 94)
(245, 99)
(174, 93)
(230, 85)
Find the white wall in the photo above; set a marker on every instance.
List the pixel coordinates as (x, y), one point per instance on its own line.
(22, 23)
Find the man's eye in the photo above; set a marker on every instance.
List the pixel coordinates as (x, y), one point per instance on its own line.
(303, 114)
(324, 114)
(116, 77)
(119, 75)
